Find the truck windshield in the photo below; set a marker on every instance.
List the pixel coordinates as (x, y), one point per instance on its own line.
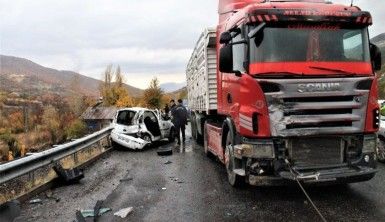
(310, 44)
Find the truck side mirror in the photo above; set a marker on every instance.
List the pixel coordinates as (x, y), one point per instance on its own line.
(225, 38)
(226, 59)
(375, 56)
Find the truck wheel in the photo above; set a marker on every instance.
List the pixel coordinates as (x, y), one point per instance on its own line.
(381, 150)
(234, 179)
(171, 137)
(193, 127)
(205, 143)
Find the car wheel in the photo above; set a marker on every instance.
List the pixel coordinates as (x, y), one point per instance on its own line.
(147, 138)
(234, 179)
(381, 150)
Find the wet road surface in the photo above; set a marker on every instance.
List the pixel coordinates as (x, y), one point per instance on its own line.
(194, 188)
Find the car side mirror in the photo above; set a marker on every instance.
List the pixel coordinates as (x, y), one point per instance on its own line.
(225, 38)
(375, 56)
(226, 59)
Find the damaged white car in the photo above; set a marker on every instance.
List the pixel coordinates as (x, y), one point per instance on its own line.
(135, 128)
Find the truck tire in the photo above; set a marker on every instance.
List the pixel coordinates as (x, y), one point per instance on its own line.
(194, 130)
(193, 127)
(381, 149)
(234, 179)
(205, 143)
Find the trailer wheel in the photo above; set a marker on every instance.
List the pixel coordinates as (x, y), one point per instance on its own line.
(194, 130)
(234, 179)
(205, 143)
(193, 127)
(381, 149)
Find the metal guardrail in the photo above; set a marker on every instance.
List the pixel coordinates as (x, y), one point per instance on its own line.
(19, 167)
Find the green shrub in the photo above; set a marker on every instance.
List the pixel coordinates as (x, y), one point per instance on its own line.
(12, 143)
(76, 129)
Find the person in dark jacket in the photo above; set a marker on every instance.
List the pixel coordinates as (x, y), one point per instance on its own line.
(179, 119)
(166, 112)
(172, 105)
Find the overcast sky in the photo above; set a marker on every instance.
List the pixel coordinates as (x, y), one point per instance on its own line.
(146, 38)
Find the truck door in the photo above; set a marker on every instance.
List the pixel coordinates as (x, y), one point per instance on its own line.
(230, 82)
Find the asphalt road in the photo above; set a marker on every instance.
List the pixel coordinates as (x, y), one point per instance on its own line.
(200, 193)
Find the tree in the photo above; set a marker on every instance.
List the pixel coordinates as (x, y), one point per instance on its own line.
(51, 122)
(115, 93)
(106, 86)
(76, 102)
(16, 119)
(76, 129)
(152, 96)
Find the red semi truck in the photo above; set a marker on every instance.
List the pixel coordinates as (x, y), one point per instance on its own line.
(286, 90)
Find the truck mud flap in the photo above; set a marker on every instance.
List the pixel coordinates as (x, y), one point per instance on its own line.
(331, 175)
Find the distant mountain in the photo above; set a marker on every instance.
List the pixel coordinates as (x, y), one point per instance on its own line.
(172, 86)
(179, 93)
(24, 76)
(379, 41)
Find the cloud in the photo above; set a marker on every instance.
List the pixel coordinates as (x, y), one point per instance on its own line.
(146, 37)
(149, 37)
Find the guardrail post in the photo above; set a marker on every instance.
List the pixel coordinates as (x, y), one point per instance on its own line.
(31, 177)
(75, 158)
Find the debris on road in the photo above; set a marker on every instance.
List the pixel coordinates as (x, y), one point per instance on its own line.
(49, 195)
(126, 179)
(91, 213)
(124, 212)
(167, 162)
(35, 201)
(9, 211)
(69, 176)
(164, 151)
(79, 217)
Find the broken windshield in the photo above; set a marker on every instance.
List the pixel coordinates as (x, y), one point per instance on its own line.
(305, 43)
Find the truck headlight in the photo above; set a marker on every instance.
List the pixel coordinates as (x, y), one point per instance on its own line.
(257, 150)
(370, 144)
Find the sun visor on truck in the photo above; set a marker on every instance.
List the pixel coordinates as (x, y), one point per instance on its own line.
(361, 18)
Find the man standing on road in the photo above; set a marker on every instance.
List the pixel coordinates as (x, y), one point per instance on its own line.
(179, 118)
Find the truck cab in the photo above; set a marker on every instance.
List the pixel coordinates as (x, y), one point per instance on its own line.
(296, 92)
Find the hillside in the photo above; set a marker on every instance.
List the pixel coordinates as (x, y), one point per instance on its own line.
(179, 94)
(24, 76)
(379, 41)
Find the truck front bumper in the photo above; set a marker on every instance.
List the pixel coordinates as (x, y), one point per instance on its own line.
(324, 176)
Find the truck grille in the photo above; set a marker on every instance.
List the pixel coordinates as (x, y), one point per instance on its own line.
(308, 112)
(316, 151)
(293, 112)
